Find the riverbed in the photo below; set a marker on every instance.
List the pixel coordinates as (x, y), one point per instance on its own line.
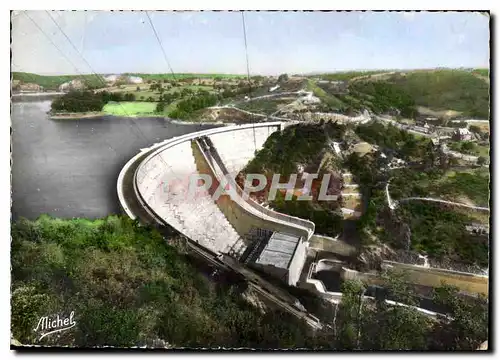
(69, 168)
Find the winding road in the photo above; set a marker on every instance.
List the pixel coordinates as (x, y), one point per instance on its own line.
(393, 204)
(446, 202)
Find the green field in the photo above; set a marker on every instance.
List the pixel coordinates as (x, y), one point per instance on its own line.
(264, 106)
(130, 108)
(469, 147)
(144, 91)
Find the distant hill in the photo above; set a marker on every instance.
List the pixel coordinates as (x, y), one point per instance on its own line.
(52, 82)
(169, 76)
(465, 91)
(346, 75)
(458, 90)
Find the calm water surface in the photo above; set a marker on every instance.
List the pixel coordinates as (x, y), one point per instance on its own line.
(69, 168)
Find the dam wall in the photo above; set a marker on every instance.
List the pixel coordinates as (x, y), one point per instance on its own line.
(239, 212)
(237, 147)
(163, 180)
(424, 276)
(332, 245)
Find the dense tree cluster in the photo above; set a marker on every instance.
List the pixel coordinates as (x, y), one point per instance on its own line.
(187, 106)
(375, 325)
(437, 231)
(79, 101)
(296, 144)
(283, 152)
(382, 97)
(84, 101)
(283, 78)
(128, 287)
(238, 91)
(441, 232)
(327, 220)
(467, 147)
(401, 142)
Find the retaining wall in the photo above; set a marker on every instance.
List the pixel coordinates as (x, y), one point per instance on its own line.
(433, 277)
(332, 245)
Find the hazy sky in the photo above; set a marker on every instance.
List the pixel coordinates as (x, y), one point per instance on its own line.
(278, 42)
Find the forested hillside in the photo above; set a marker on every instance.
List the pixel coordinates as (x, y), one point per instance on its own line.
(53, 82)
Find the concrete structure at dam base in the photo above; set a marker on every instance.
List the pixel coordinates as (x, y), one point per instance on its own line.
(236, 232)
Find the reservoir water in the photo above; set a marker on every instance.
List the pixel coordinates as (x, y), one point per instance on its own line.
(69, 168)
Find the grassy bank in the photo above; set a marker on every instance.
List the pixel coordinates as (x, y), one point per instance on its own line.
(74, 116)
(145, 92)
(329, 100)
(132, 108)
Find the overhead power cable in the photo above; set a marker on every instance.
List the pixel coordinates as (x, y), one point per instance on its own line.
(246, 51)
(95, 73)
(100, 79)
(161, 46)
(133, 121)
(75, 48)
(248, 74)
(53, 44)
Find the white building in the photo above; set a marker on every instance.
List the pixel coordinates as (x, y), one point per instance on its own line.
(274, 88)
(462, 134)
(135, 80)
(75, 84)
(280, 255)
(335, 147)
(111, 78)
(309, 98)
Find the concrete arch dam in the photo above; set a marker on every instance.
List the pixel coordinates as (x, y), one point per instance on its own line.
(157, 183)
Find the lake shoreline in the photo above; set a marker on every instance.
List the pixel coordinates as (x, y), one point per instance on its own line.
(76, 116)
(93, 115)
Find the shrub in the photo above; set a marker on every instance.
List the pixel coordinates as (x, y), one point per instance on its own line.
(160, 107)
